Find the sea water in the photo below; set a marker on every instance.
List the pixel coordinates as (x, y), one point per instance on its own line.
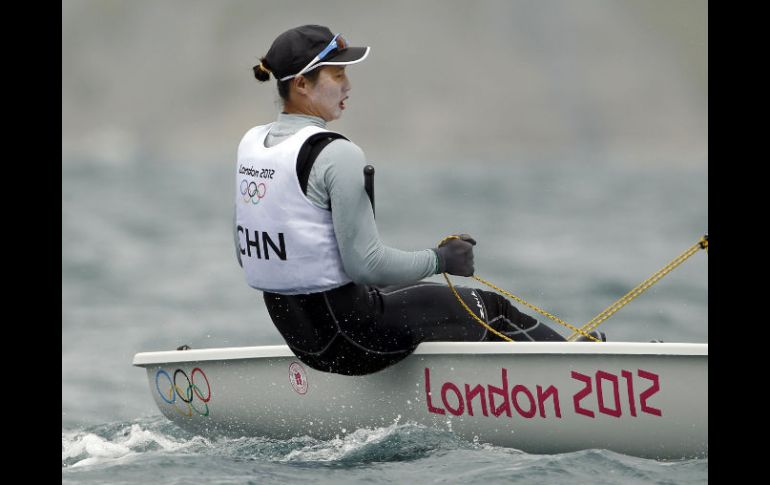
(148, 264)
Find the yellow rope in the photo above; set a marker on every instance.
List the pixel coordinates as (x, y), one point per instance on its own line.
(510, 295)
(470, 312)
(642, 287)
(598, 319)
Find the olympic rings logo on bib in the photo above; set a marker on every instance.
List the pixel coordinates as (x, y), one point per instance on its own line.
(184, 399)
(253, 192)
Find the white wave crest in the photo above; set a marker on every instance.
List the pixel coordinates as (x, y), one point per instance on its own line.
(81, 448)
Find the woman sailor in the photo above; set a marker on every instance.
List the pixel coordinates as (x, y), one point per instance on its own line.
(305, 232)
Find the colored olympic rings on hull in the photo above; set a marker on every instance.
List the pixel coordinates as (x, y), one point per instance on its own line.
(183, 392)
(253, 192)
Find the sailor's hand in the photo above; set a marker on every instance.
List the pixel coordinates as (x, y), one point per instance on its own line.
(464, 237)
(455, 255)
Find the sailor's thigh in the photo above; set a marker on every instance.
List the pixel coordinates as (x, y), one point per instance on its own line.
(432, 311)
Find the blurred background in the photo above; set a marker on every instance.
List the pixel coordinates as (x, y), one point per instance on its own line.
(523, 80)
(568, 137)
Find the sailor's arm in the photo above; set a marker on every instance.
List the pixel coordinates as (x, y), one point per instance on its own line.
(339, 169)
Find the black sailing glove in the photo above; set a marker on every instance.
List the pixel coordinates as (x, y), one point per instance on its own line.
(455, 256)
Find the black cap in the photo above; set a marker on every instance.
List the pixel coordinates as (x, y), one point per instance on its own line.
(293, 50)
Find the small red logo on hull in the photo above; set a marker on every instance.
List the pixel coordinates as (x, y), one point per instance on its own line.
(298, 378)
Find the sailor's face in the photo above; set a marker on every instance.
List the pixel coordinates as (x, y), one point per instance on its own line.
(326, 98)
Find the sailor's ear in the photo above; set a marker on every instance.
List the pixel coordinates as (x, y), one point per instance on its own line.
(301, 84)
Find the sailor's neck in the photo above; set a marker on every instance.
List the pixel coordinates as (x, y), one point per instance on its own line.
(296, 120)
(288, 124)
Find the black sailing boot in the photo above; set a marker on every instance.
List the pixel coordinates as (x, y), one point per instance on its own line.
(596, 334)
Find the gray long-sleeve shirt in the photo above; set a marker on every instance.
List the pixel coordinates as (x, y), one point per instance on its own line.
(337, 181)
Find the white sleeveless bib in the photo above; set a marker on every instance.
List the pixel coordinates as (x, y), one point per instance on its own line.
(287, 243)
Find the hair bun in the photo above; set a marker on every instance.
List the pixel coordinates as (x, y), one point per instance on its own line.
(261, 72)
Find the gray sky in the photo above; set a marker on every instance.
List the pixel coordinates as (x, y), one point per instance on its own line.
(610, 81)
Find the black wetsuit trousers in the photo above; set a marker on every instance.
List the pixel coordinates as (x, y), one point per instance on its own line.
(360, 329)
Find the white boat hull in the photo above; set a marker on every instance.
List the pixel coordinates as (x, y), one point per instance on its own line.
(643, 399)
